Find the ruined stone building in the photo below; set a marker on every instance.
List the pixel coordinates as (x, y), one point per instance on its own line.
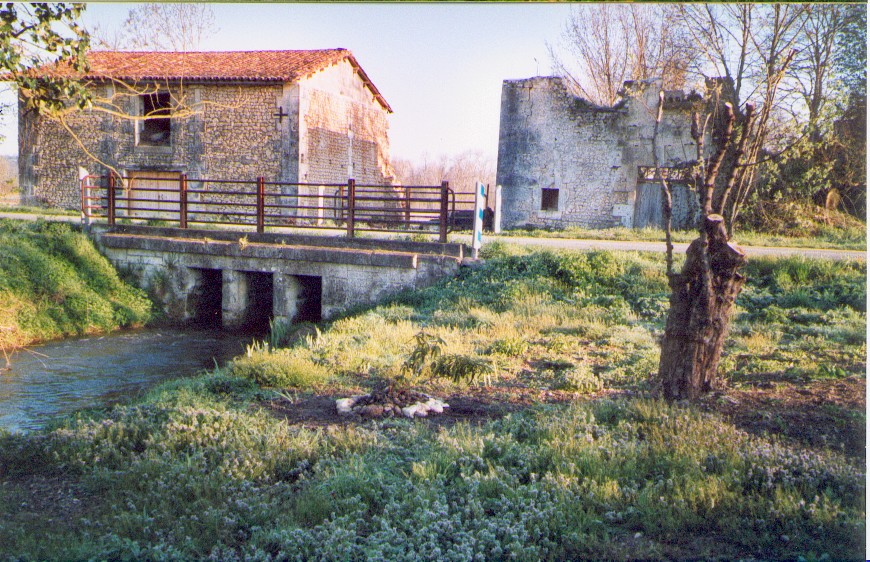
(564, 161)
(289, 116)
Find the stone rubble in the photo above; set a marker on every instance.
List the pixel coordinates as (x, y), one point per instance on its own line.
(362, 405)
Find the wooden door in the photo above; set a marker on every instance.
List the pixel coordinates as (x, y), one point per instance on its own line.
(153, 195)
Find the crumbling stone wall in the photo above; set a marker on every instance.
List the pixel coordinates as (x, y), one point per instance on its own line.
(552, 139)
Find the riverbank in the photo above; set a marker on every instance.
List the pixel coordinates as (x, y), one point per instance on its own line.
(560, 453)
(54, 283)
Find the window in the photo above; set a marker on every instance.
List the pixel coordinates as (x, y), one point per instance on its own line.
(155, 129)
(549, 199)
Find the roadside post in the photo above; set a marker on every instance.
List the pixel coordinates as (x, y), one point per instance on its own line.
(496, 218)
(477, 232)
(86, 198)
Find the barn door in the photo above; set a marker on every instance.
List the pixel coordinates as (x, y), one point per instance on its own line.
(154, 195)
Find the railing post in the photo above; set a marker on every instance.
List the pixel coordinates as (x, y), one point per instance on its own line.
(86, 202)
(442, 218)
(407, 207)
(351, 206)
(182, 200)
(261, 204)
(111, 218)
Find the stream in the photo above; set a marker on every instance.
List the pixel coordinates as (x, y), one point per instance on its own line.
(56, 378)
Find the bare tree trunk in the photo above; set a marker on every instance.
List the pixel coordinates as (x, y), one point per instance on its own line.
(702, 296)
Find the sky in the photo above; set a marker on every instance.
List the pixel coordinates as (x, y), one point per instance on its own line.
(440, 66)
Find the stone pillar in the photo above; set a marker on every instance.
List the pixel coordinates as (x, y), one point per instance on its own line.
(234, 301)
(286, 292)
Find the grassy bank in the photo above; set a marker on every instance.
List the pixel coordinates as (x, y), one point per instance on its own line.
(573, 459)
(53, 283)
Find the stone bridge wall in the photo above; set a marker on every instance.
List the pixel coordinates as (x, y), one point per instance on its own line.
(170, 263)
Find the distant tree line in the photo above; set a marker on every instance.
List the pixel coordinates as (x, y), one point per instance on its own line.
(462, 170)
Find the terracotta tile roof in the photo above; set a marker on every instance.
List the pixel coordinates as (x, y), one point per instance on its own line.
(230, 66)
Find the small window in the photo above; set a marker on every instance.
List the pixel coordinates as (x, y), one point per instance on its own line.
(549, 199)
(155, 129)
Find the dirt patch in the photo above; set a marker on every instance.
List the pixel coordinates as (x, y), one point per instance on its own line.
(827, 414)
(821, 414)
(476, 404)
(54, 500)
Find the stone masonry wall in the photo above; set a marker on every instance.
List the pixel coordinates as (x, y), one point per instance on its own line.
(333, 129)
(551, 138)
(343, 130)
(232, 134)
(349, 278)
(49, 157)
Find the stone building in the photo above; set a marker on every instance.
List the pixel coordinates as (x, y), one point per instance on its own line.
(289, 116)
(564, 161)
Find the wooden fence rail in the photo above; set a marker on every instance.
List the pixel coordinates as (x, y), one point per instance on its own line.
(263, 204)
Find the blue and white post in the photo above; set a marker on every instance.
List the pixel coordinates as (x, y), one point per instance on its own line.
(477, 232)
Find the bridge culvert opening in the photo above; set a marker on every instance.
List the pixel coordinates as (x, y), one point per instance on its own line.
(309, 306)
(259, 310)
(207, 298)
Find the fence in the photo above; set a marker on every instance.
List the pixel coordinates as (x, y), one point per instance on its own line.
(162, 197)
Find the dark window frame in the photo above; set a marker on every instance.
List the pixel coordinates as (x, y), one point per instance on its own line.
(156, 127)
(549, 199)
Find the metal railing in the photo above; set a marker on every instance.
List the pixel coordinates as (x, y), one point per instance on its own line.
(265, 204)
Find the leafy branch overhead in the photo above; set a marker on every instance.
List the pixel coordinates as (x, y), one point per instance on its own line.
(43, 34)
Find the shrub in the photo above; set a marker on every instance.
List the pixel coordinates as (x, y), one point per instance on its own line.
(511, 346)
(579, 378)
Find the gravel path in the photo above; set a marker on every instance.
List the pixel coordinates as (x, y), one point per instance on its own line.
(679, 247)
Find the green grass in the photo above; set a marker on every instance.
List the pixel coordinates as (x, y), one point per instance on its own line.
(40, 210)
(200, 468)
(791, 224)
(54, 283)
(854, 238)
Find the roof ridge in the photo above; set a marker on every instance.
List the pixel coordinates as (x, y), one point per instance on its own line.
(95, 51)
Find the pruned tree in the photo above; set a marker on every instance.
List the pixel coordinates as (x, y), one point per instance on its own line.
(160, 27)
(754, 46)
(607, 44)
(704, 291)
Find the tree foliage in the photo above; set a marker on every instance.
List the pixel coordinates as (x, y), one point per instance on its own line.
(43, 34)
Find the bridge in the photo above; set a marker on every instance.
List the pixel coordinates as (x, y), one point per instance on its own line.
(239, 253)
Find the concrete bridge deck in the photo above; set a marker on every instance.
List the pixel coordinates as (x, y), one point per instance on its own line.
(246, 279)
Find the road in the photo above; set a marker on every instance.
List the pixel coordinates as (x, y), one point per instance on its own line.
(574, 244)
(570, 243)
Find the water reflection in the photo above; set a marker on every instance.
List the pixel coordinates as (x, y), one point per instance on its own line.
(60, 377)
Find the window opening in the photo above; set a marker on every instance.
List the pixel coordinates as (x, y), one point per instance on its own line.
(156, 125)
(549, 199)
